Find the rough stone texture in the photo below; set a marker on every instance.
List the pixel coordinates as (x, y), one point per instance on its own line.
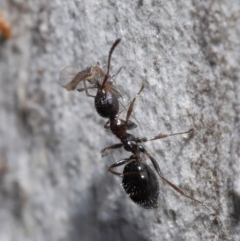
(54, 185)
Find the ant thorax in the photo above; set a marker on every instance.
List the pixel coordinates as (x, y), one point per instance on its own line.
(118, 127)
(141, 184)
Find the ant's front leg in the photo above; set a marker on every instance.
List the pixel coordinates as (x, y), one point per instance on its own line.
(161, 136)
(117, 164)
(103, 151)
(130, 108)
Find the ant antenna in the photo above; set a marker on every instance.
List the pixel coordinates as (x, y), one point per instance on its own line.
(109, 59)
(157, 168)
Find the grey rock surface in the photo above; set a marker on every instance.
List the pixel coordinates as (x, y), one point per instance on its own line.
(54, 184)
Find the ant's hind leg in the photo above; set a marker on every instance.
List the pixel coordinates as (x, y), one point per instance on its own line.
(117, 164)
(161, 136)
(103, 151)
(157, 168)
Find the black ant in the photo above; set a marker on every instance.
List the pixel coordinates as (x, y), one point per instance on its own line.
(106, 99)
(138, 179)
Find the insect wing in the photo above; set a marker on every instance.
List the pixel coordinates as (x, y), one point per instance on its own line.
(70, 77)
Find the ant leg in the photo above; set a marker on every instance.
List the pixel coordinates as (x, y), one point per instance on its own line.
(107, 125)
(125, 109)
(161, 136)
(130, 108)
(157, 168)
(86, 89)
(113, 78)
(115, 146)
(117, 164)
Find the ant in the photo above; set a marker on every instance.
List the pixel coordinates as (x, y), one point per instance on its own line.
(138, 180)
(106, 99)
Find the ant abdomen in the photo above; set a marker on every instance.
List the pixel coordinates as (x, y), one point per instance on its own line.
(106, 103)
(141, 184)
